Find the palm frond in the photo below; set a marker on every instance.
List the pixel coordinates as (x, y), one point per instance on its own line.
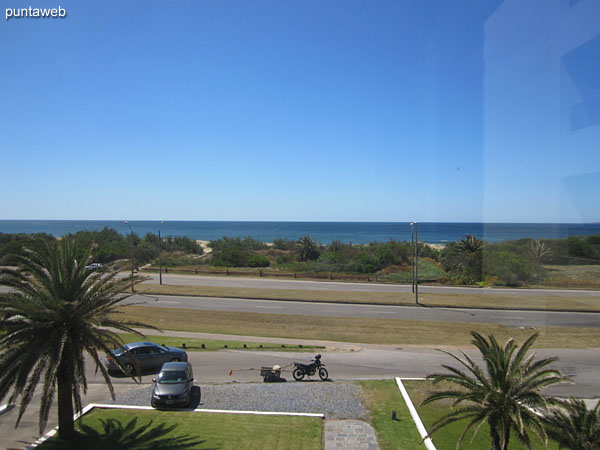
(503, 394)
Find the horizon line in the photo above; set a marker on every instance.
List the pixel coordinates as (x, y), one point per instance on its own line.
(297, 221)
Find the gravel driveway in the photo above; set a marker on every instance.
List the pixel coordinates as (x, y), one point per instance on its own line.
(337, 400)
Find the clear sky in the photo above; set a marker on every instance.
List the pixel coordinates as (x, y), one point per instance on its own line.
(337, 110)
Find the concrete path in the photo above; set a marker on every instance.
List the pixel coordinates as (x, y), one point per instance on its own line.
(349, 435)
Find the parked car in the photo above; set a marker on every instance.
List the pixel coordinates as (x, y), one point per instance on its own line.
(173, 386)
(93, 266)
(147, 355)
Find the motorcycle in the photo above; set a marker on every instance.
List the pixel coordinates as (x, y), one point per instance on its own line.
(302, 370)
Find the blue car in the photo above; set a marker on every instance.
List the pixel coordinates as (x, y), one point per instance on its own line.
(147, 355)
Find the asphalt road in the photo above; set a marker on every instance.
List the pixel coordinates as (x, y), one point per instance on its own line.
(371, 362)
(504, 317)
(266, 283)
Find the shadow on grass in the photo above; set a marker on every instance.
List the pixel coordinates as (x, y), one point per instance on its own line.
(115, 436)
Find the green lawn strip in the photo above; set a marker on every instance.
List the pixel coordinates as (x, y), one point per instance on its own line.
(351, 329)
(447, 437)
(381, 397)
(573, 276)
(475, 299)
(195, 345)
(222, 431)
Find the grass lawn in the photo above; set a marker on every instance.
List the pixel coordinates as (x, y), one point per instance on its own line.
(351, 329)
(478, 299)
(447, 437)
(222, 431)
(195, 345)
(583, 276)
(381, 397)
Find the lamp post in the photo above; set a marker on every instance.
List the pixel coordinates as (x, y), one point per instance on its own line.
(130, 252)
(412, 246)
(160, 253)
(415, 227)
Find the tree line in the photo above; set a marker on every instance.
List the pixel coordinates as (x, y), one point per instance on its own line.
(471, 260)
(468, 261)
(106, 245)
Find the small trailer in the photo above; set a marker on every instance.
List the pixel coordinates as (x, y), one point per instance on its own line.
(271, 374)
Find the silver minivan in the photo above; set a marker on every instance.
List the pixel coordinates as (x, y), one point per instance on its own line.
(173, 386)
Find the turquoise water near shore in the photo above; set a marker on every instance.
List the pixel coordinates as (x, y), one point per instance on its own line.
(324, 232)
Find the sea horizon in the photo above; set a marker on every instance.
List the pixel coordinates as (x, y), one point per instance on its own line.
(322, 231)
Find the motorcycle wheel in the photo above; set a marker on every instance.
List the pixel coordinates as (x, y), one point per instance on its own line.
(298, 374)
(323, 375)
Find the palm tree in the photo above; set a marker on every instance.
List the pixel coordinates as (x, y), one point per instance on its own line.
(505, 395)
(465, 257)
(538, 251)
(575, 427)
(54, 311)
(470, 244)
(308, 249)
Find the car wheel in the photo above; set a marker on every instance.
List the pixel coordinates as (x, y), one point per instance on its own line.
(323, 375)
(176, 359)
(129, 369)
(298, 374)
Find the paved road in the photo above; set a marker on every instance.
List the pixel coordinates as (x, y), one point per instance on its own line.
(504, 317)
(213, 367)
(266, 283)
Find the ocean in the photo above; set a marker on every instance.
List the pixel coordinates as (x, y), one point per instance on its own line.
(324, 232)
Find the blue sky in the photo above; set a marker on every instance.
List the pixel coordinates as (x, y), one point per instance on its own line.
(278, 110)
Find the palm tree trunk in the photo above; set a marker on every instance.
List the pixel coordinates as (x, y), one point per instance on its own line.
(506, 436)
(495, 435)
(66, 426)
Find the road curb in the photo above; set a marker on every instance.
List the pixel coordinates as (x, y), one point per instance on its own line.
(6, 408)
(415, 416)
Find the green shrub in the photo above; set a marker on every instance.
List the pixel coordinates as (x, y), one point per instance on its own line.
(284, 244)
(507, 267)
(258, 261)
(13, 244)
(365, 262)
(231, 257)
(234, 252)
(283, 260)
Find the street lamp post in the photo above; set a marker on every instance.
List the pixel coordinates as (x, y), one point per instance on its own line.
(130, 253)
(412, 246)
(416, 260)
(160, 253)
